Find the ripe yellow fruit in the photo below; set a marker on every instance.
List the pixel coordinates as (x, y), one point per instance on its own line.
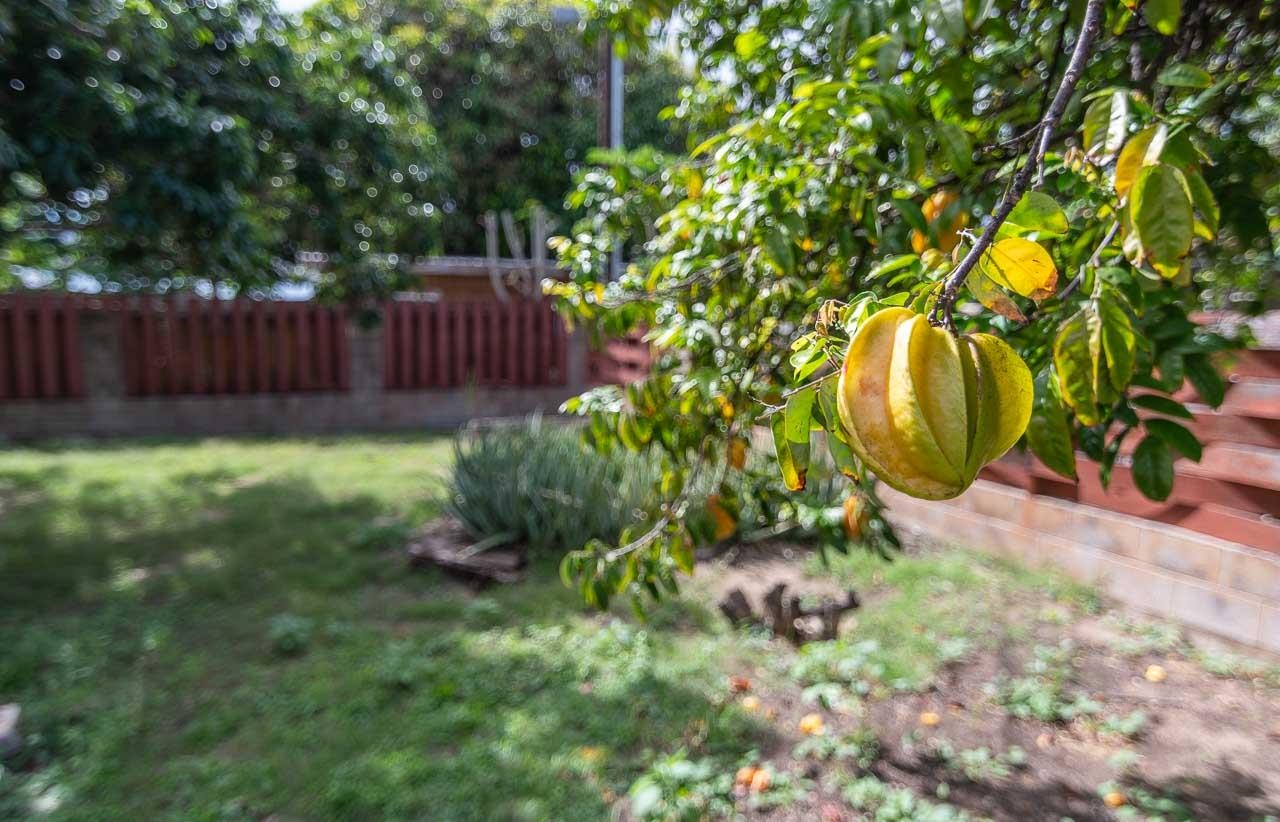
(930, 719)
(948, 235)
(761, 781)
(737, 454)
(1155, 673)
(925, 410)
(745, 775)
(751, 704)
(726, 524)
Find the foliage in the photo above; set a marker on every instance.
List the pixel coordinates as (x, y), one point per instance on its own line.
(513, 95)
(1124, 189)
(890, 804)
(152, 144)
(534, 482)
(860, 747)
(1041, 692)
(290, 634)
(977, 764)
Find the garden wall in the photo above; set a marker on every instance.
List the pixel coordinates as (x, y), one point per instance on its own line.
(98, 367)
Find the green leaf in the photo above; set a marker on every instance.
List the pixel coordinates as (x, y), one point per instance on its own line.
(1040, 213)
(946, 18)
(1176, 436)
(1074, 365)
(1205, 203)
(1153, 469)
(1049, 432)
(1106, 123)
(841, 454)
(1161, 405)
(791, 428)
(781, 250)
(1160, 207)
(1185, 75)
(1119, 342)
(747, 43)
(956, 147)
(1163, 15)
(911, 214)
(1206, 379)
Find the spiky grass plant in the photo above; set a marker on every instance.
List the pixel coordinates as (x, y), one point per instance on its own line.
(535, 482)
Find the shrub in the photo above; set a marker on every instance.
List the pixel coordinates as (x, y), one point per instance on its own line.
(290, 634)
(535, 482)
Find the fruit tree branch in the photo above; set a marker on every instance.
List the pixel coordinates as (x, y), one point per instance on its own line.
(941, 313)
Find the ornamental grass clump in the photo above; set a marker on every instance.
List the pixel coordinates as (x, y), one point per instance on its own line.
(535, 482)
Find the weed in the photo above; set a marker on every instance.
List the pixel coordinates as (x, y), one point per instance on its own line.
(290, 634)
(889, 804)
(1140, 804)
(976, 764)
(678, 788)
(1041, 692)
(1129, 726)
(860, 748)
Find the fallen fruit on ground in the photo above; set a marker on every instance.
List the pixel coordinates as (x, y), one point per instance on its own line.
(739, 684)
(929, 719)
(926, 410)
(751, 704)
(761, 781)
(1155, 673)
(812, 725)
(1115, 799)
(745, 775)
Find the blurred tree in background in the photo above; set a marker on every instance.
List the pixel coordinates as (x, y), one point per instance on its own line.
(154, 143)
(514, 97)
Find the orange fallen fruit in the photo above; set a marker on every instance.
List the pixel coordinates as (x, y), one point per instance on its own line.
(761, 781)
(929, 719)
(812, 724)
(1115, 799)
(1155, 673)
(751, 704)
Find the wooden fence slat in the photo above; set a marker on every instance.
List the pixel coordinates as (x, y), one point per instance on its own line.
(285, 361)
(25, 384)
(306, 366)
(404, 345)
(530, 337)
(343, 351)
(440, 332)
(196, 336)
(422, 345)
(323, 364)
(479, 330)
(6, 346)
(152, 365)
(47, 349)
(175, 368)
(261, 358)
(239, 348)
(71, 354)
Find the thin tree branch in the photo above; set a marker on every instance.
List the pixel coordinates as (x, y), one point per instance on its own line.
(942, 310)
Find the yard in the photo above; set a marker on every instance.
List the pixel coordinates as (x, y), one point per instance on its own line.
(227, 630)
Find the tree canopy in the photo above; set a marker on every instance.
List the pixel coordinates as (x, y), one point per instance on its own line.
(1075, 179)
(156, 143)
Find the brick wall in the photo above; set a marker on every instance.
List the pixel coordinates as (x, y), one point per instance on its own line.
(105, 410)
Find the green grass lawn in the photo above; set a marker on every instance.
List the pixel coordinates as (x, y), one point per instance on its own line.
(229, 630)
(152, 593)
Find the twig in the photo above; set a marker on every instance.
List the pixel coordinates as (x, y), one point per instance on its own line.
(942, 309)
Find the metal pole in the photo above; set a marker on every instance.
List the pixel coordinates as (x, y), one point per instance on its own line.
(615, 136)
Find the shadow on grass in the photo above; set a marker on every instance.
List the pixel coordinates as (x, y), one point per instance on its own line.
(201, 534)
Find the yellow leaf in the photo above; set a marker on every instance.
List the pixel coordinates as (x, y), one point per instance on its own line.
(987, 293)
(1022, 266)
(1143, 150)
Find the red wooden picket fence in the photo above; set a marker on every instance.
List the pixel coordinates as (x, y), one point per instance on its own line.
(175, 346)
(39, 347)
(1233, 492)
(444, 344)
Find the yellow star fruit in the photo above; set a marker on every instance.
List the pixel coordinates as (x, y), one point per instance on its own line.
(926, 410)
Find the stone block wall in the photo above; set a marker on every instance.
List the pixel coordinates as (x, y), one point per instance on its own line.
(1209, 584)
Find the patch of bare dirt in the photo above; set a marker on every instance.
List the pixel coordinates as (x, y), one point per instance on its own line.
(1210, 743)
